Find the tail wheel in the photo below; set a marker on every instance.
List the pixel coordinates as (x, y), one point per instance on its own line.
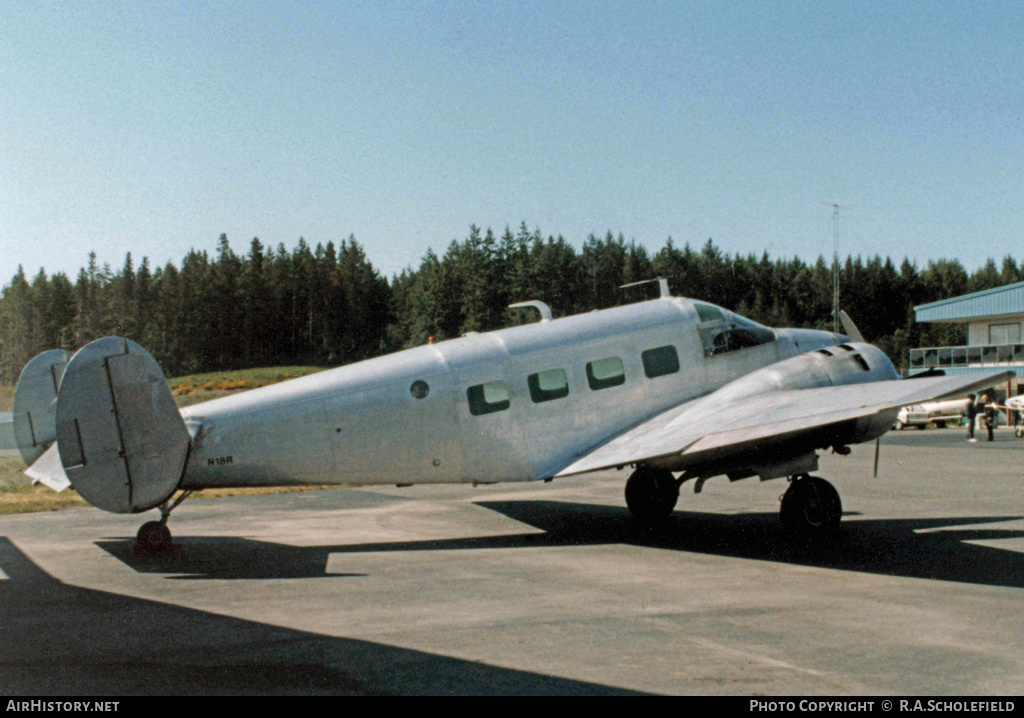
(811, 507)
(153, 537)
(651, 494)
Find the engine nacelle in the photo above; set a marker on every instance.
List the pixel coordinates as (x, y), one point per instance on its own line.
(837, 365)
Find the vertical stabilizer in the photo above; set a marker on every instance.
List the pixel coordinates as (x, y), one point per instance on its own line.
(122, 441)
(34, 403)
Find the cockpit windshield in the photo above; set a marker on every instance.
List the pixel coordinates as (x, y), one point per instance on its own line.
(722, 331)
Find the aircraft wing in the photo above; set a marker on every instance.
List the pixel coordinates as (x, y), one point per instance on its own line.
(713, 431)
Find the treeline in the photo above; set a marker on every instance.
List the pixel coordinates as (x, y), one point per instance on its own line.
(328, 305)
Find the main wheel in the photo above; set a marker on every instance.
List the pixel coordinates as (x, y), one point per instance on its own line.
(153, 537)
(651, 494)
(811, 507)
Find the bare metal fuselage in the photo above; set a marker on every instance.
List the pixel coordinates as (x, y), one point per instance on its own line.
(366, 423)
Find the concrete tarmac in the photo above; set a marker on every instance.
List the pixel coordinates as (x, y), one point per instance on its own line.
(539, 589)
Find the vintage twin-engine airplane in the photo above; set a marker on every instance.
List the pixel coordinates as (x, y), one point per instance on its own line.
(1015, 405)
(667, 385)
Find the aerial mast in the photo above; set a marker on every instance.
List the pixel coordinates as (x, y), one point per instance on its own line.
(835, 263)
(835, 268)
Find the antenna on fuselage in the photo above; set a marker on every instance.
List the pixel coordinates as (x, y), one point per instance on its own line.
(544, 309)
(662, 286)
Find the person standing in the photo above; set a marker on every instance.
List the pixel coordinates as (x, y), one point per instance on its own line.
(991, 410)
(972, 416)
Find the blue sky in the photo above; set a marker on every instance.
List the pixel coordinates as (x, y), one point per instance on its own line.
(154, 128)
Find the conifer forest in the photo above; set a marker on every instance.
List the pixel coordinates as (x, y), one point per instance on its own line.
(327, 305)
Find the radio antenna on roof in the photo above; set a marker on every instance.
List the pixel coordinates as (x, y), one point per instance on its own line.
(662, 286)
(835, 262)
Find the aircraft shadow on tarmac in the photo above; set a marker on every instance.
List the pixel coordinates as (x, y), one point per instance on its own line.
(933, 548)
(58, 639)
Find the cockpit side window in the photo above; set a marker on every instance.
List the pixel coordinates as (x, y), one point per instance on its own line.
(708, 313)
(721, 333)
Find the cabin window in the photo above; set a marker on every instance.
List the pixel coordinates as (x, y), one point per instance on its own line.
(660, 361)
(548, 385)
(605, 373)
(488, 398)
(419, 389)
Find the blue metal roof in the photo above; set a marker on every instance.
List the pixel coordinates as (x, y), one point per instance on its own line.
(964, 371)
(1008, 299)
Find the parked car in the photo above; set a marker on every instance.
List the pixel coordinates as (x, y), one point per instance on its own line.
(939, 413)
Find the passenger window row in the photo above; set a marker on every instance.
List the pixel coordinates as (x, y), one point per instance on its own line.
(553, 384)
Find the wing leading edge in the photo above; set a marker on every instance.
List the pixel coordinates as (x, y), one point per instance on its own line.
(716, 433)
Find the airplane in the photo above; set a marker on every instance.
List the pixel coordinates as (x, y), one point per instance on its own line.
(677, 389)
(1015, 405)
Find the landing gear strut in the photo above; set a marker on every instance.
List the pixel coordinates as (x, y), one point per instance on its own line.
(651, 493)
(811, 507)
(154, 537)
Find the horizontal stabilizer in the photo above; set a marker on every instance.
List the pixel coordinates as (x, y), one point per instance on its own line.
(47, 470)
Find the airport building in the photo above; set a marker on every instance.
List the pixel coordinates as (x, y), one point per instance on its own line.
(995, 334)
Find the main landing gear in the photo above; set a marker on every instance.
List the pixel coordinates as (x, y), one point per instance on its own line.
(811, 507)
(154, 537)
(651, 493)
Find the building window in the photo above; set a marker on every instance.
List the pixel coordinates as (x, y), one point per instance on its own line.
(605, 373)
(488, 398)
(548, 385)
(1004, 333)
(660, 361)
